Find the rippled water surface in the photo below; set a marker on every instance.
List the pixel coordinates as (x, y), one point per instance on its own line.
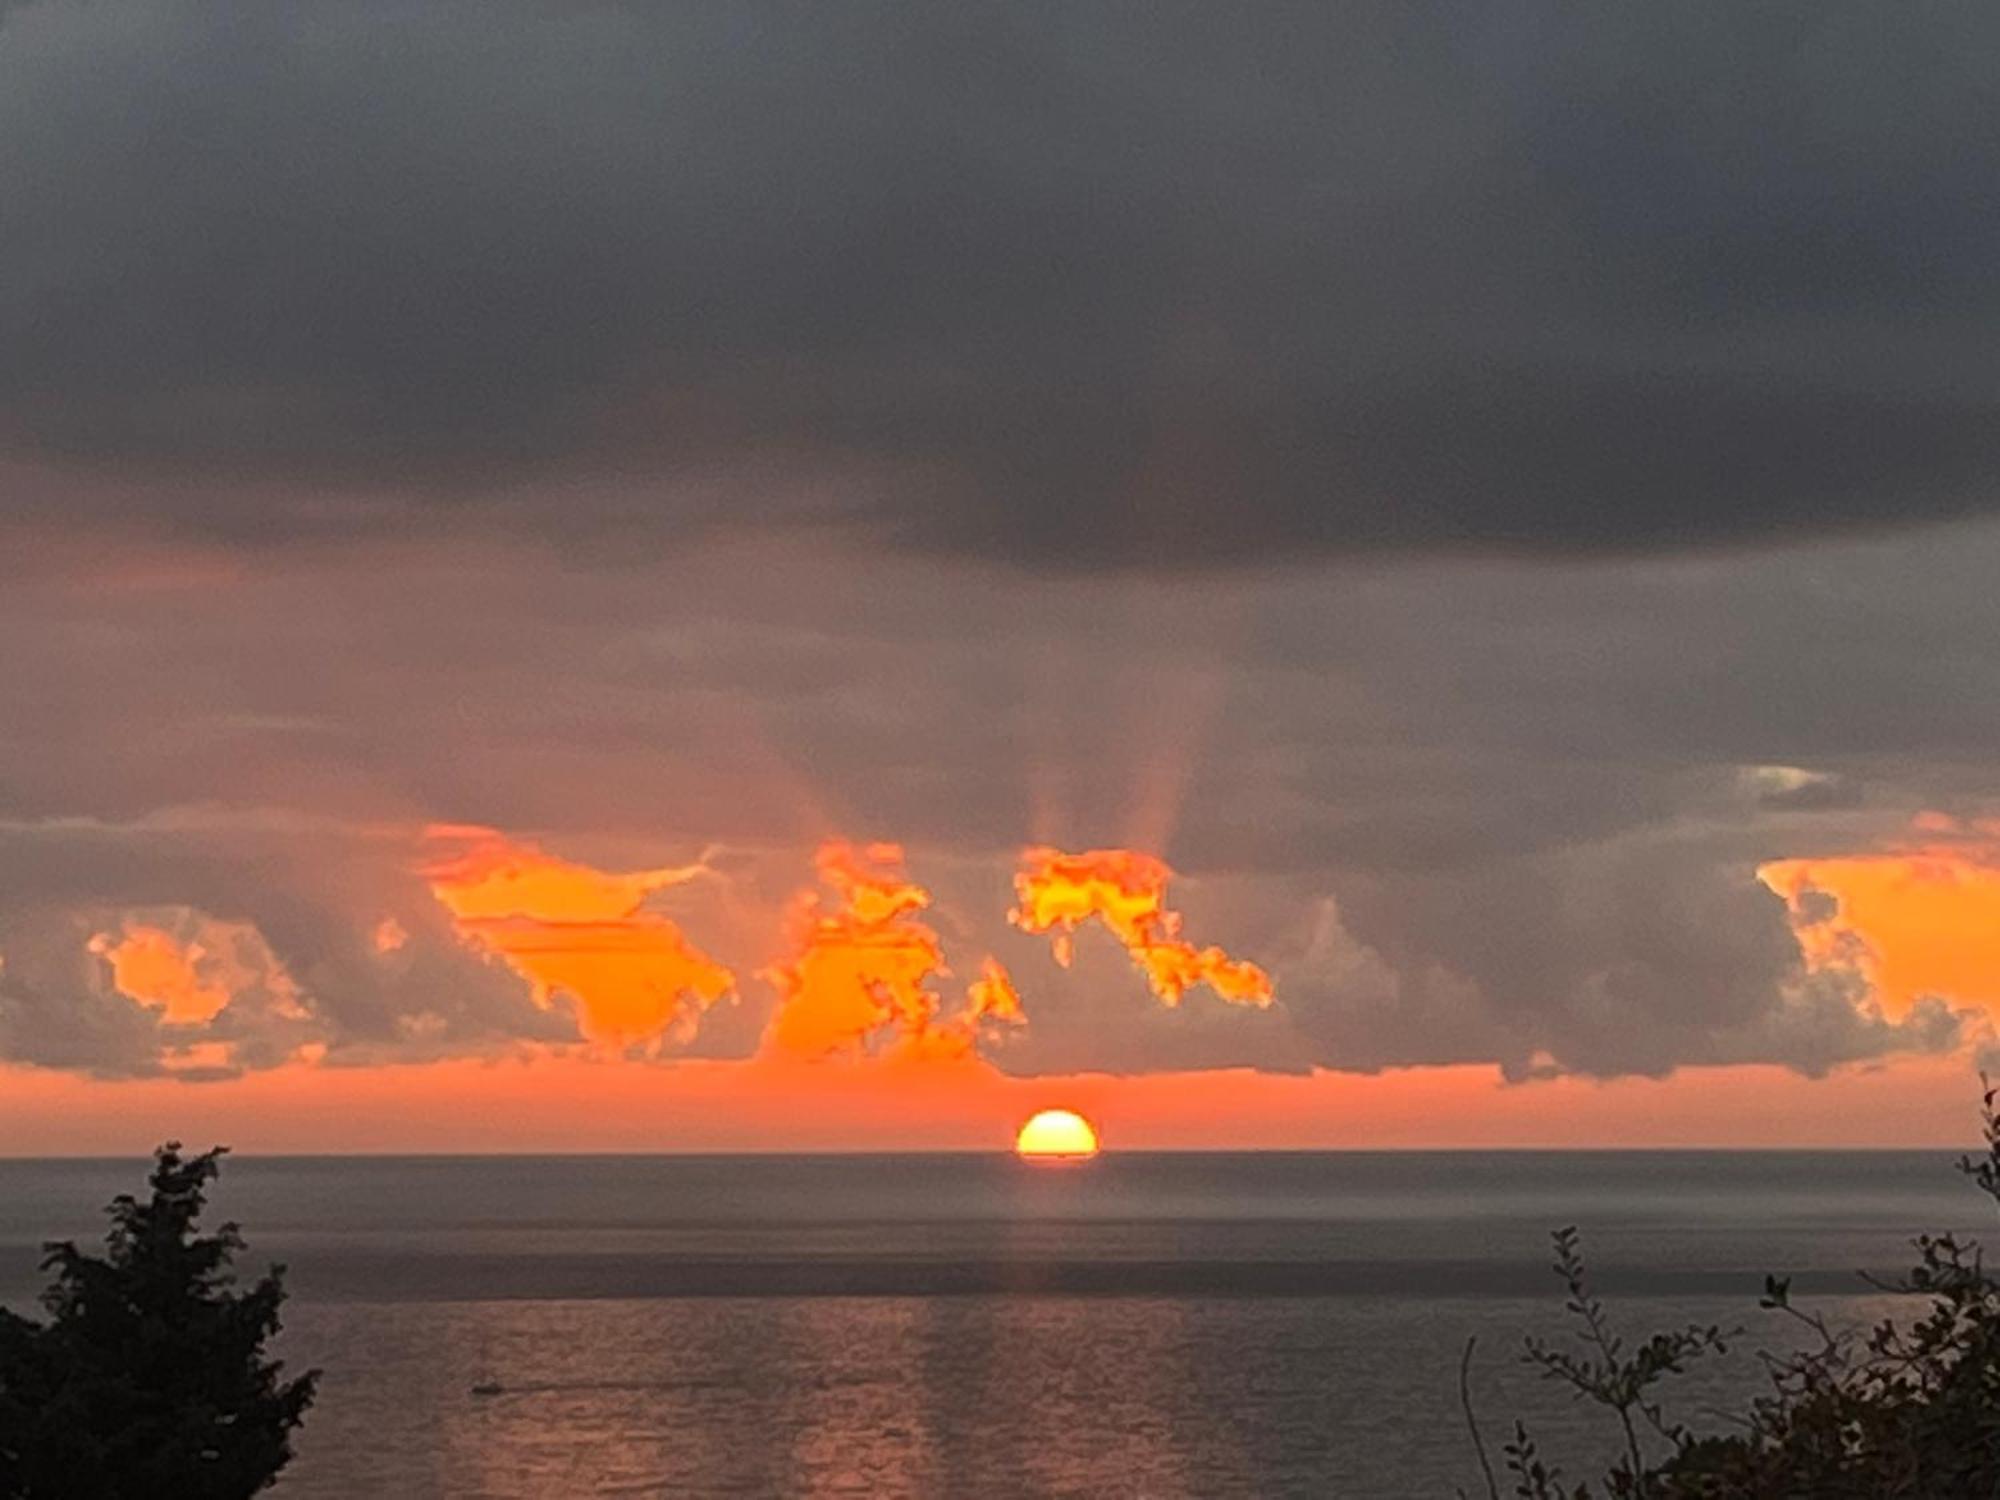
(969, 1326)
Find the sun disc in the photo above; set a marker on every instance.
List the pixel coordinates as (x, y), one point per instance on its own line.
(1057, 1135)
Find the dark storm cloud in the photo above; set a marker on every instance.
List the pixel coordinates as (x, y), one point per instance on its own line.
(1062, 284)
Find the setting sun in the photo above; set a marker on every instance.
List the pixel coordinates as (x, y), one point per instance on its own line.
(1057, 1135)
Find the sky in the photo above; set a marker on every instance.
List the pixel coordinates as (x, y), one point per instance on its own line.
(802, 577)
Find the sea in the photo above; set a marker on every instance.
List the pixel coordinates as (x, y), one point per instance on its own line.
(1172, 1324)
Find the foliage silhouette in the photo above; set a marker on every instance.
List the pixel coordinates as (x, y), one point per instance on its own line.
(1900, 1411)
(150, 1378)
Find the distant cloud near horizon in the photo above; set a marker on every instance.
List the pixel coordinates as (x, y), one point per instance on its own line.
(1058, 285)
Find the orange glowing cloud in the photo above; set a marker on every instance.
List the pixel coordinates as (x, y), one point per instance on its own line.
(192, 967)
(1923, 920)
(1127, 893)
(153, 967)
(573, 930)
(992, 995)
(858, 980)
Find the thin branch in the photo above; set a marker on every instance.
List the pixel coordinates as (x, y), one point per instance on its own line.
(1472, 1421)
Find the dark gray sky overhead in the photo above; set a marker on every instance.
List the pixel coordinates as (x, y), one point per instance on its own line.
(1468, 483)
(1074, 286)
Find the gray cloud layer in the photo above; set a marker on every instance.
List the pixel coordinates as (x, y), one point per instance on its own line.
(1069, 285)
(1492, 812)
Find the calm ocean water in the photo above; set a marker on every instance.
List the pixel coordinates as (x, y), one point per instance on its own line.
(969, 1326)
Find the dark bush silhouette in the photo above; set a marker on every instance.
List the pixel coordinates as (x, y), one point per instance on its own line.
(149, 1380)
(1906, 1410)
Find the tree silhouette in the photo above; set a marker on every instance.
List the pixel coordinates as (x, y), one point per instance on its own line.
(1908, 1409)
(150, 1377)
